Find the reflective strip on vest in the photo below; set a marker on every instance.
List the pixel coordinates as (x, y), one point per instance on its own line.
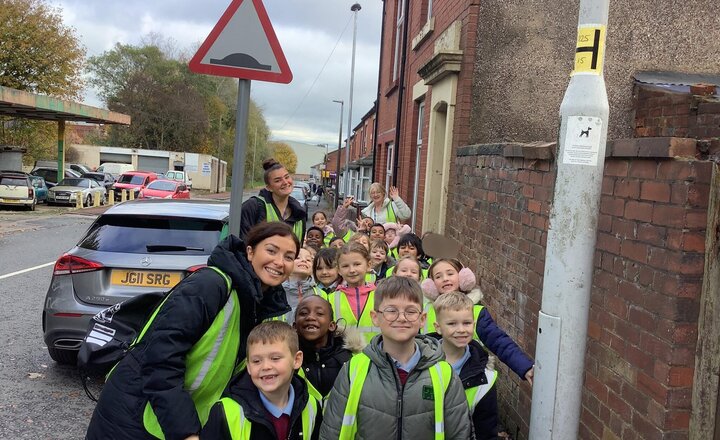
(240, 427)
(209, 364)
(440, 376)
(271, 216)
(341, 309)
(431, 318)
(311, 388)
(319, 292)
(475, 394)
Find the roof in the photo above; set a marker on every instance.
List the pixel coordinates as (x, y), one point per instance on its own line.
(172, 208)
(676, 81)
(28, 105)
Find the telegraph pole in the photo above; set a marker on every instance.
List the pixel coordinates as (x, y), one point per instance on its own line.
(354, 8)
(563, 320)
(337, 168)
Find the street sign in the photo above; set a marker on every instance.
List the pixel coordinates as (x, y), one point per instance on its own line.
(243, 45)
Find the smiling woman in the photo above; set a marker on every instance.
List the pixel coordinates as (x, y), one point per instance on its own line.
(171, 377)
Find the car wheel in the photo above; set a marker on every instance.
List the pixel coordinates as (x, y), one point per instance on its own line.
(32, 207)
(65, 357)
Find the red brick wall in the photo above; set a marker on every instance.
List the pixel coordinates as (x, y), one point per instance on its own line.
(661, 112)
(649, 264)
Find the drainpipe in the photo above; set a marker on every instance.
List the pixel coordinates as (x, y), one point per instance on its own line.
(377, 98)
(401, 93)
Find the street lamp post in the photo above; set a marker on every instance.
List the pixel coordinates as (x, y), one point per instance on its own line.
(337, 168)
(354, 8)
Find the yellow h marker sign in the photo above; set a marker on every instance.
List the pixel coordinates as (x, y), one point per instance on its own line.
(590, 50)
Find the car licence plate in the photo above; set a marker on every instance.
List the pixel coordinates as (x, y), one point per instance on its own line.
(142, 278)
(11, 201)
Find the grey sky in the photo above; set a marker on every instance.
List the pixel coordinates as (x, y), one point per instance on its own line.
(307, 29)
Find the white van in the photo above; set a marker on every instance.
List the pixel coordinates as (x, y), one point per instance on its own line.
(180, 176)
(114, 168)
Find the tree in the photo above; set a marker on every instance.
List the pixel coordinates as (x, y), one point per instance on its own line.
(285, 155)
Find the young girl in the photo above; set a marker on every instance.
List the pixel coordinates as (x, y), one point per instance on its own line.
(325, 272)
(362, 238)
(325, 349)
(407, 267)
(393, 232)
(300, 282)
(320, 220)
(380, 261)
(410, 245)
(354, 298)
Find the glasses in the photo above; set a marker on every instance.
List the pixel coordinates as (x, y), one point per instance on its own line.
(392, 315)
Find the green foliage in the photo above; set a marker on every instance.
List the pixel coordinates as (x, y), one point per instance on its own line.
(282, 153)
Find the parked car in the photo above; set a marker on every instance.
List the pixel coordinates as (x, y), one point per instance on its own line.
(305, 187)
(299, 194)
(105, 180)
(165, 189)
(70, 189)
(134, 247)
(180, 176)
(80, 168)
(41, 189)
(114, 169)
(51, 175)
(133, 181)
(16, 189)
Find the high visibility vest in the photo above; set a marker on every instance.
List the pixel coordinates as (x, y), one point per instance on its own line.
(311, 388)
(319, 292)
(440, 375)
(475, 394)
(271, 216)
(341, 309)
(331, 235)
(390, 216)
(431, 318)
(423, 273)
(240, 427)
(370, 278)
(394, 253)
(210, 362)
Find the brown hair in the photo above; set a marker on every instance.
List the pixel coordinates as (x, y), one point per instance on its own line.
(328, 256)
(274, 331)
(455, 301)
(265, 230)
(352, 247)
(397, 287)
(270, 165)
(379, 243)
(451, 261)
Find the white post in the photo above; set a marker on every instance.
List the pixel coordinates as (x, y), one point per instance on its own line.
(563, 320)
(355, 8)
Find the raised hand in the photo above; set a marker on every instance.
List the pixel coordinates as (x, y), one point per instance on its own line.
(348, 201)
(393, 193)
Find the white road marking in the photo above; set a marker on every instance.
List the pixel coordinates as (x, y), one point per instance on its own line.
(8, 275)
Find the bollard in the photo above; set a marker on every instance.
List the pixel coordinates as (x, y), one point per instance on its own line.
(131, 194)
(96, 201)
(111, 197)
(78, 201)
(123, 195)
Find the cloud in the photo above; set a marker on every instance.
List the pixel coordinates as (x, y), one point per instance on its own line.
(307, 29)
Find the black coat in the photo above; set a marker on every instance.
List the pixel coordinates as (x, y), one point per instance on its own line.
(253, 212)
(154, 369)
(244, 392)
(321, 366)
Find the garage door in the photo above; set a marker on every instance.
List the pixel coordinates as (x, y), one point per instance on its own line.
(115, 158)
(155, 164)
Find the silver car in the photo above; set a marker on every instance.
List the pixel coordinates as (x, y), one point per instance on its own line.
(68, 190)
(135, 247)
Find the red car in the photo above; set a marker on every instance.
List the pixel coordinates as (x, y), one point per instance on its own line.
(134, 181)
(165, 189)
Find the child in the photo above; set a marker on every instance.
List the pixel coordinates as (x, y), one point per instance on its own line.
(377, 232)
(361, 238)
(398, 387)
(380, 261)
(353, 299)
(300, 282)
(407, 267)
(336, 242)
(455, 324)
(325, 349)
(393, 232)
(320, 220)
(325, 272)
(448, 275)
(315, 237)
(410, 245)
(267, 401)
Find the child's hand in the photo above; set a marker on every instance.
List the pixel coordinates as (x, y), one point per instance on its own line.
(348, 201)
(530, 374)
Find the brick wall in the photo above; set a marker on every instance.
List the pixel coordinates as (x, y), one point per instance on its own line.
(649, 264)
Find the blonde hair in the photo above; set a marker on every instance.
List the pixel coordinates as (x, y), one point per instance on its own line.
(407, 258)
(274, 331)
(352, 247)
(377, 186)
(455, 301)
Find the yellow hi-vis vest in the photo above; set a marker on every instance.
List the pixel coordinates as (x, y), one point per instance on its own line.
(341, 309)
(440, 375)
(240, 427)
(431, 318)
(475, 394)
(271, 216)
(331, 235)
(311, 388)
(209, 364)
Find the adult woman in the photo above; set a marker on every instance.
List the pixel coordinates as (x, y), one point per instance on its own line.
(274, 202)
(165, 385)
(384, 209)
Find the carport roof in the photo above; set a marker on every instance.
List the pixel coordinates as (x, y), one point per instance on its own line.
(22, 104)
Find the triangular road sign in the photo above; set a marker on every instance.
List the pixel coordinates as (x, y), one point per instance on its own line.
(243, 45)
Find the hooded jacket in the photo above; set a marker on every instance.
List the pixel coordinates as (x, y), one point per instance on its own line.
(322, 365)
(154, 370)
(294, 291)
(402, 211)
(253, 212)
(245, 393)
(389, 410)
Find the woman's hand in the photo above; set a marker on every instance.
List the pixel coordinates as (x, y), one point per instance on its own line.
(348, 201)
(393, 193)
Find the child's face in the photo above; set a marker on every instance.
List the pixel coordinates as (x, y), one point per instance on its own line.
(377, 256)
(365, 241)
(337, 244)
(445, 277)
(326, 274)
(401, 329)
(314, 237)
(390, 235)
(312, 320)
(407, 250)
(353, 267)
(377, 233)
(408, 269)
(456, 327)
(319, 220)
(303, 263)
(271, 366)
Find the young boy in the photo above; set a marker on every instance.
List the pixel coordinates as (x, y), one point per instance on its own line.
(315, 237)
(469, 360)
(398, 387)
(268, 400)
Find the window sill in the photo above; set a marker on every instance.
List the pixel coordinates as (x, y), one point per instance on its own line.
(424, 33)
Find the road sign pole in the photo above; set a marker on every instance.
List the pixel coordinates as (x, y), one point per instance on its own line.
(238, 169)
(563, 320)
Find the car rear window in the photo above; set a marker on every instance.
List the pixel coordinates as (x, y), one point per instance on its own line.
(132, 179)
(13, 181)
(132, 234)
(162, 186)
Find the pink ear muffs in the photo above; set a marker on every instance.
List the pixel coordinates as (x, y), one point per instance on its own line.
(467, 283)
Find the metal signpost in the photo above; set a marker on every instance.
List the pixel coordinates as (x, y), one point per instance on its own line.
(563, 320)
(242, 45)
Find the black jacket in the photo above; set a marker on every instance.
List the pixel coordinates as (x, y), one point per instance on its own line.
(321, 366)
(245, 393)
(253, 212)
(154, 369)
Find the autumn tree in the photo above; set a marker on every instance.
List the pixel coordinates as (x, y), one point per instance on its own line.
(282, 152)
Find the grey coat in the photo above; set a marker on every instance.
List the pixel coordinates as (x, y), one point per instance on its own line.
(387, 410)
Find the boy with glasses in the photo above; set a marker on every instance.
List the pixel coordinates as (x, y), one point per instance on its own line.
(399, 386)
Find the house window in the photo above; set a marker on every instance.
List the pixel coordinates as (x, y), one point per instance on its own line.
(399, 25)
(389, 170)
(421, 116)
(429, 9)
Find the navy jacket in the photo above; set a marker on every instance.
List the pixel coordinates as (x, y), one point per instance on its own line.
(502, 345)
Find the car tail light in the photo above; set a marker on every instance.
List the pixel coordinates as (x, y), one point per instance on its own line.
(70, 264)
(192, 269)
